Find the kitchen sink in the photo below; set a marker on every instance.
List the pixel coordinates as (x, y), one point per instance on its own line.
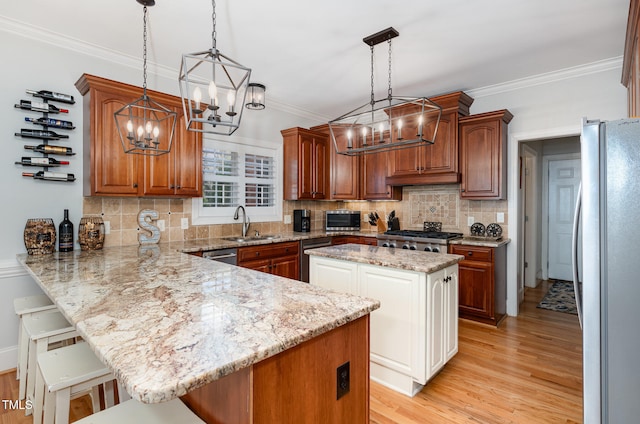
(241, 239)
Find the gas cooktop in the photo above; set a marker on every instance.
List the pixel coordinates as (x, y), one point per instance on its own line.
(440, 235)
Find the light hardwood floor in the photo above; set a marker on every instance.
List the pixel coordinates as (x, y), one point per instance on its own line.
(528, 370)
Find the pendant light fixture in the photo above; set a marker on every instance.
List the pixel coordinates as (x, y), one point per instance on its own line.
(391, 123)
(214, 87)
(145, 126)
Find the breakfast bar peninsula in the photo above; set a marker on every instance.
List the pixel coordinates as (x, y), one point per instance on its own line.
(236, 345)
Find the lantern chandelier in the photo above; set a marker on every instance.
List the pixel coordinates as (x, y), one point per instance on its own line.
(391, 123)
(145, 126)
(225, 81)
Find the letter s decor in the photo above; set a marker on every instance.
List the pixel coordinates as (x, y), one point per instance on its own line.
(145, 217)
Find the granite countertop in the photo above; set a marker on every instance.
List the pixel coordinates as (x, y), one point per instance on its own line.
(392, 258)
(167, 322)
(480, 241)
(201, 245)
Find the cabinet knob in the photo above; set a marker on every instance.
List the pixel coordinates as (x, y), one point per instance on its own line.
(469, 253)
(135, 185)
(462, 190)
(178, 187)
(257, 253)
(172, 186)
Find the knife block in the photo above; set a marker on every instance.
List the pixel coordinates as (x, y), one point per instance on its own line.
(381, 226)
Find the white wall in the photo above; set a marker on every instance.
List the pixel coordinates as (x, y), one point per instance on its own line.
(550, 107)
(36, 61)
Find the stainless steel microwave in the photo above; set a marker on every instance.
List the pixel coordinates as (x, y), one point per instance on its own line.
(342, 220)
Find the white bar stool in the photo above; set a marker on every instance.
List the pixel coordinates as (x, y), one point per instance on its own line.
(24, 306)
(133, 412)
(40, 332)
(64, 373)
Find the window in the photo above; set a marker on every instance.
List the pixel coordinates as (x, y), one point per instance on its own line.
(238, 174)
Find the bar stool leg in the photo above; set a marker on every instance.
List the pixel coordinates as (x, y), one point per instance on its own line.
(22, 367)
(39, 395)
(95, 399)
(49, 405)
(109, 396)
(63, 400)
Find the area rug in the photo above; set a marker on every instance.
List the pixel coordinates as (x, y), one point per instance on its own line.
(560, 298)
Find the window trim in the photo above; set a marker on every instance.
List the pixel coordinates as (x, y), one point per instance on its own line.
(213, 216)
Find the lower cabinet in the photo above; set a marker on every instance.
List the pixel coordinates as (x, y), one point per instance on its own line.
(415, 331)
(370, 241)
(482, 274)
(281, 259)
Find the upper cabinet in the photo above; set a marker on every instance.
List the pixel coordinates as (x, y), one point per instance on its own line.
(433, 163)
(111, 172)
(631, 63)
(306, 164)
(483, 155)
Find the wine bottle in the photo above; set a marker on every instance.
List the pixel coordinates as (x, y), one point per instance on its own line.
(57, 123)
(28, 161)
(51, 176)
(40, 107)
(65, 232)
(49, 149)
(45, 134)
(52, 95)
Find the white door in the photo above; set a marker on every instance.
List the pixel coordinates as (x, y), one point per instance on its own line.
(564, 178)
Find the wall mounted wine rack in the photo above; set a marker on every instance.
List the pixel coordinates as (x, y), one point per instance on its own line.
(46, 134)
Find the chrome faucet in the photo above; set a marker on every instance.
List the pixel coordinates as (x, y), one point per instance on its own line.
(245, 220)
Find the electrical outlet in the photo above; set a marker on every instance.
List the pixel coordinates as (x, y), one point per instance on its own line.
(160, 224)
(343, 376)
(500, 217)
(184, 223)
(287, 219)
(107, 227)
(470, 221)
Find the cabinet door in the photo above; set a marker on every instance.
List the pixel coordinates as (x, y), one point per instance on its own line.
(436, 332)
(451, 312)
(374, 178)
(442, 155)
(306, 166)
(398, 327)
(159, 175)
(332, 274)
(345, 170)
(188, 160)
(262, 265)
(289, 267)
(480, 153)
(113, 172)
(406, 161)
(476, 288)
(320, 168)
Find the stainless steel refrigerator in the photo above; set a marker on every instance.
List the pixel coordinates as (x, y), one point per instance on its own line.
(609, 299)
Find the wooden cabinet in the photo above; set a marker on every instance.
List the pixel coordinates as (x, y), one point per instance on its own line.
(375, 170)
(631, 62)
(111, 172)
(483, 155)
(436, 163)
(482, 282)
(370, 241)
(281, 259)
(306, 159)
(344, 171)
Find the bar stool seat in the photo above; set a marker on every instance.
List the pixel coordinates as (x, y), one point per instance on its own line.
(41, 331)
(133, 412)
(24, 306)
(64, 373)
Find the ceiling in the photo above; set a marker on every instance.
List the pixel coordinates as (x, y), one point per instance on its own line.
(310, 55)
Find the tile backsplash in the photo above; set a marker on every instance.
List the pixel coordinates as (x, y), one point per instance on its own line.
(440, 203)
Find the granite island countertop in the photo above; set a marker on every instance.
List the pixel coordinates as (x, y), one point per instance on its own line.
(411, 260)
(480, 241)
(167, 322)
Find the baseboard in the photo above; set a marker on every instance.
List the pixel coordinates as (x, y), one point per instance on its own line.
(8, 358)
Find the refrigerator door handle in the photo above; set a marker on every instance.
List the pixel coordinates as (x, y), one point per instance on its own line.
(574, 253)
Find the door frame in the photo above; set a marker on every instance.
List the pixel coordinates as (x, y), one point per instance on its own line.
(514, 203)
(545, 206)
(531, 209)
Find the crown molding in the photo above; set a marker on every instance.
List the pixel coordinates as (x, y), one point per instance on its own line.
(605, 65)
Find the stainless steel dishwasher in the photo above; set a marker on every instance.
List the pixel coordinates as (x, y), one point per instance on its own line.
(228, 256)
(304, 259)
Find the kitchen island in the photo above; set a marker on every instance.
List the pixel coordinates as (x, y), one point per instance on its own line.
(235, 344)
(415, 331)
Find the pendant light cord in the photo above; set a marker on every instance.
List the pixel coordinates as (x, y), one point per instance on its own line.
(144, 52)
(213, 19)
(389, 93)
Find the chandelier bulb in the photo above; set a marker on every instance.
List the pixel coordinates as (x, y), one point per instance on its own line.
(156, 132)
(197, 97)
(349, 142)
(399, 129)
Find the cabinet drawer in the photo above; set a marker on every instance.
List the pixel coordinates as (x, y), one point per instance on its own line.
(472, 253)
(267, 251)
